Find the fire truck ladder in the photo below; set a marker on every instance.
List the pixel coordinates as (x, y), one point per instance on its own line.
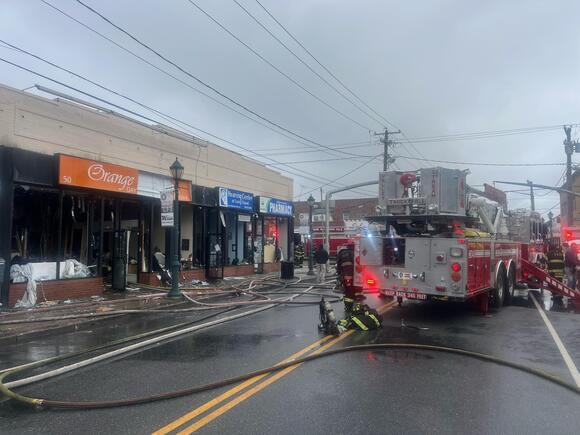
(555, 286)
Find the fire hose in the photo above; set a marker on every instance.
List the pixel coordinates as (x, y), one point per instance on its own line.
(57, 404)
(168, 333)
(202, 307)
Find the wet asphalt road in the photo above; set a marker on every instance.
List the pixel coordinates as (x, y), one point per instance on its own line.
(403, 391)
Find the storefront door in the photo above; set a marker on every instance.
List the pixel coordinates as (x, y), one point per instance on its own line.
(215, 245)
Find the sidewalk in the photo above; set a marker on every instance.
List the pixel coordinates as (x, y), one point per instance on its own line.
(61, 313)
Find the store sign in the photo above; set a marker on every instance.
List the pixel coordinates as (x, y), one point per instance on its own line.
(166, 196)
(276, 206)
(73, 171)
(230, 198)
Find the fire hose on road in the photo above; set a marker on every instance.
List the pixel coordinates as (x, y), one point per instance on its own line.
(201, 306)
(167, 333)
(56, 404)
(160, 335)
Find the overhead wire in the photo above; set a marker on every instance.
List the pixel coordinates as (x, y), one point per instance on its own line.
(200, 81)
(328, 71)
(343, 175)
(451, 137)
(301, 173)
(289, 50)
(262, 58)
(411, 143)
(480, 163)
(320, 63)
(172, 76)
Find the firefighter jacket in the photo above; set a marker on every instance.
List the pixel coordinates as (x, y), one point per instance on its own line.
(362, 318)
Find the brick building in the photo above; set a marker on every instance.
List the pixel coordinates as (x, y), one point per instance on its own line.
(347, 217)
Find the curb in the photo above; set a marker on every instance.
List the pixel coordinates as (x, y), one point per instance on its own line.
(23, 336)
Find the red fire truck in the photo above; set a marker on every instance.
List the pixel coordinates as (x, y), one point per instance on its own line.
(442, 240)
(338, 238)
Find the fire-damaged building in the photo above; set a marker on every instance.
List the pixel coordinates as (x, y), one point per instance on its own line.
(80, 190)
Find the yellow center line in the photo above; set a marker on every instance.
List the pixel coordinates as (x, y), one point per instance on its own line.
(249, 393)
(210, 404)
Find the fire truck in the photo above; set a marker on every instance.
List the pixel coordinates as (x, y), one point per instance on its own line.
(440, 239)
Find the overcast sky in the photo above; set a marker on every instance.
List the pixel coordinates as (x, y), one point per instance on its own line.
(429, 67)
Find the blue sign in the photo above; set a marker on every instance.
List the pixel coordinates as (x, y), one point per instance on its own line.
(276, 207)
(230, 198)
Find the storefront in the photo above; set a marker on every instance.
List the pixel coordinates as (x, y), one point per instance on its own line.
(81, 224)
(235, 237)
(274, 239)
(103, 211)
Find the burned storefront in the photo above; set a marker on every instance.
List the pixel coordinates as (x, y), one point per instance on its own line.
(80, 189)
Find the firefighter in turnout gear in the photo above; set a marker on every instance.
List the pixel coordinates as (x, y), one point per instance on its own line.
(556, 263)
(345, 272)
(299, 255)
(363, 318)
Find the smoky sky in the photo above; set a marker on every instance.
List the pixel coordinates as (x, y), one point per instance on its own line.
(429, 67)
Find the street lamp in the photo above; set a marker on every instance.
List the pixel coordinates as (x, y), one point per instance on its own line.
(176, 170)
(311, 201)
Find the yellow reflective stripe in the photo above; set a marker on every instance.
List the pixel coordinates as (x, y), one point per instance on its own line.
(348, 300)
(372, 316)
(360, 324)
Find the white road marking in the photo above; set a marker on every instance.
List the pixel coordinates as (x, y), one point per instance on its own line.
(567, 358)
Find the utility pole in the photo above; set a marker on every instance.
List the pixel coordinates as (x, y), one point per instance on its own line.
(569, 149)
(387, 160)
(532, 194)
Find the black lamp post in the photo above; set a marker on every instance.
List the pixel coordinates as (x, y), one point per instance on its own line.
(311, 201)
(176, 169)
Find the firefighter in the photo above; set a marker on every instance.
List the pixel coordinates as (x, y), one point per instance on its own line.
(556, 262)
(363, 318)
(299, 255)
(345, 272)
(570, 263)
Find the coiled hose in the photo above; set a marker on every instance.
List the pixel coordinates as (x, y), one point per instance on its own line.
(56, 404)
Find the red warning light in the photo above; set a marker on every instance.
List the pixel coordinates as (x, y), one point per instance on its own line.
(371, 281)
(456, 267)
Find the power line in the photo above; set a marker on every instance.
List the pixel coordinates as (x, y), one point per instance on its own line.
(299, 162)
(303, 174)
(257, 21)
(285, 75)
(326, 69)
(320, 63)
(336, 146)
(344, 175)
(494, 132)
(442, 138)
(551, 208)
(549, 192)
(481, 164)
(168, 74)
(197, 79)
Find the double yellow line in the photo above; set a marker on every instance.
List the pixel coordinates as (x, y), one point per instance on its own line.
(320, 346)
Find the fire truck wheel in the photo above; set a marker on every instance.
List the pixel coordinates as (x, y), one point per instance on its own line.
(498, 293)
(511, 285)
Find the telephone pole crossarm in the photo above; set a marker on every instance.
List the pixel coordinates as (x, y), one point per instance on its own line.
(387, 160)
